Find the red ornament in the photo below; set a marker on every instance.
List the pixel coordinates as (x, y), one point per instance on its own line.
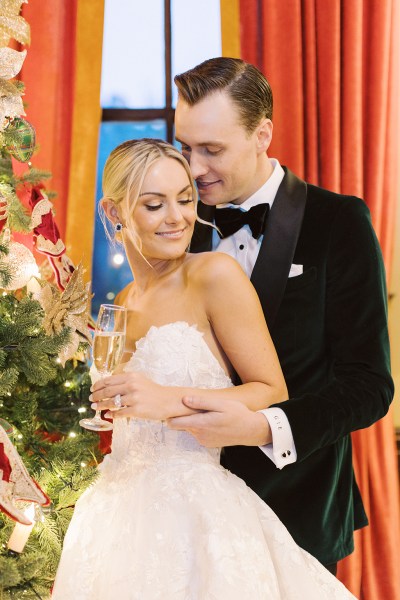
(15, 482)
(46, 234)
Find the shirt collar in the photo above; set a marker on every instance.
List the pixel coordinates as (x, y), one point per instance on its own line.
(267, 192)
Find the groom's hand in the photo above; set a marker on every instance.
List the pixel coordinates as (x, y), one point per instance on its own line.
(221, 422)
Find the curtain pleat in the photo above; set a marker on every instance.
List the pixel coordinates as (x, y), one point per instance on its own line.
(85, 132)
(352, 143)
(230, 28)
(62, 78)
(48, 74)
(310, 87)
(334, 70)
(328, 30)
(283, 63)
(376, 83)
(249, 14)
(390, 191)
(377, 550)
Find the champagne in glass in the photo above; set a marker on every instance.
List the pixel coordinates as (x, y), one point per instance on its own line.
(108, 348)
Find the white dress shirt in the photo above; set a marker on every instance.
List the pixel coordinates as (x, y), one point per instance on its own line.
(244, 248)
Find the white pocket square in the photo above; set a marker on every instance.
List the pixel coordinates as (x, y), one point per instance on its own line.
(296, 270)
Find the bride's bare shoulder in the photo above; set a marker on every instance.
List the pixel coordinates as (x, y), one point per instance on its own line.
(206, 265)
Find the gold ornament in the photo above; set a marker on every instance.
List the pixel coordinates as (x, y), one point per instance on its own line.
(10, 107)
(10, 95)
(7, 89)
(11, 62)
(13, 27)
(69, 308)
(11, 8)
(10, 102)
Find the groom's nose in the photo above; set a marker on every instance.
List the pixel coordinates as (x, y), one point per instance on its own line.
(198, 165)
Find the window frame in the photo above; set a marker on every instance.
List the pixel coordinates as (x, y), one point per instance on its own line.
(167, 113)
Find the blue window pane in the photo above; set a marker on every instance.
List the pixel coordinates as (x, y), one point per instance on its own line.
(108, 277)
(196, 34)
(133, 54)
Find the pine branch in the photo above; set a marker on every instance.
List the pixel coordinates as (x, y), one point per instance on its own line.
(29, 351)
(18, 218)
(5, 270)
(9, 573)
(37, 354)
(32, 176)
(49, 538)
(20, 319)
(8, 380)
(6, 170)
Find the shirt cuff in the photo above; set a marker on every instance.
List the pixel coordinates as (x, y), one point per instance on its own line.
(282, 451)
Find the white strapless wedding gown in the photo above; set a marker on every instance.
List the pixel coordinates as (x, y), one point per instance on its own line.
(164, 521)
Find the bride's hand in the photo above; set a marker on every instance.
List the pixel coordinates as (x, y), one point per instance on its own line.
(140, 397)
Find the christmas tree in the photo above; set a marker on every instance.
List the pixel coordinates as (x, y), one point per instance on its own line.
(46, 459)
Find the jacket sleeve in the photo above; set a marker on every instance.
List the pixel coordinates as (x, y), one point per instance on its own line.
(359, 388)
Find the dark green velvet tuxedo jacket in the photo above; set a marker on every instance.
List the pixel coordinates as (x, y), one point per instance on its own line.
(330, 333)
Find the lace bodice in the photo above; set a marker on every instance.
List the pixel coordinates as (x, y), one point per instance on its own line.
(173, 354)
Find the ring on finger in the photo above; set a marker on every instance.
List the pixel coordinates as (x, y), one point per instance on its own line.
(117, 401)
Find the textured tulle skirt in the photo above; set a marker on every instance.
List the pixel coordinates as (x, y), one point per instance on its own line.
(177, 527)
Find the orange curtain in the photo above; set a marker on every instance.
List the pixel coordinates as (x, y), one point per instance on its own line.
(85, 132)
(48, 75)
(62, 78)
(333, 67)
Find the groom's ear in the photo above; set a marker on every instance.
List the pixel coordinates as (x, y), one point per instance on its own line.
(264, 135)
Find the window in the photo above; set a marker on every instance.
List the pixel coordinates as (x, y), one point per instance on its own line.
(145, 45)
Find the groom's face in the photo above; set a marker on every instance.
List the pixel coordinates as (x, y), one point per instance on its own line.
(224, 157)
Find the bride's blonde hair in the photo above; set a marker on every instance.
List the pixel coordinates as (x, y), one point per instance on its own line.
(123, 176)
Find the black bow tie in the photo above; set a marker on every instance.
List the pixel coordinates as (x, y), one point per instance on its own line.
(230, 220)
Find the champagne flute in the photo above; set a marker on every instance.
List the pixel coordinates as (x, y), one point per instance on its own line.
(108, 348)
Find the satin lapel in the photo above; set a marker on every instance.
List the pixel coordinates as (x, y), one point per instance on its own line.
(281, 233)
(202, 236)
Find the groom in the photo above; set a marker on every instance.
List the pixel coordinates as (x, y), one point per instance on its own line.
(315, 262)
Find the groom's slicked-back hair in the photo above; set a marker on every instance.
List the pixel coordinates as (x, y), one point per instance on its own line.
(245, 84)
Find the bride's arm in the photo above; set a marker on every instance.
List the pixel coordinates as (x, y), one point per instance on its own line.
(236, 317)
(235, 314)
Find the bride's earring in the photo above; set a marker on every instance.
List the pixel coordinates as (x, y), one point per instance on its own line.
(117, 230)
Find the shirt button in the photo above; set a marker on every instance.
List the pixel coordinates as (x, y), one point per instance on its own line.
(288, 453)
(283, 454)
(241, 247)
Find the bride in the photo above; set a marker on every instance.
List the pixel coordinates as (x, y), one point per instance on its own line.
(164, 520)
